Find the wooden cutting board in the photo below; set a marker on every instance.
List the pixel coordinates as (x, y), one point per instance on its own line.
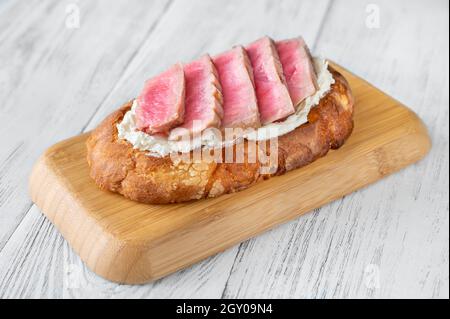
(128, 242)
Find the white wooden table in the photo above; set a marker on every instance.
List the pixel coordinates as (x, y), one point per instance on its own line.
(65, 64)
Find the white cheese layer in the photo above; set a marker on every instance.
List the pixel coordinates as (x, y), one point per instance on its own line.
(160, 146)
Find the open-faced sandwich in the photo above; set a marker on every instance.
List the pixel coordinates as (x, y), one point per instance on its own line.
(222, 123)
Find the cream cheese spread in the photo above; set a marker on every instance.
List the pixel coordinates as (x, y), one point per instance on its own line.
(160, 146)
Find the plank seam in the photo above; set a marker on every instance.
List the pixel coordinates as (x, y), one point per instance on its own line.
(133, 56)
(316, 40)
(26, 211)
(10, 273)
(139, 47)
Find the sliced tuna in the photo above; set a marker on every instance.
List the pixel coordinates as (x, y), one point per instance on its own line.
(298, 69)
(240, 107)
(274, 102)
(161, 102)
(203, 102)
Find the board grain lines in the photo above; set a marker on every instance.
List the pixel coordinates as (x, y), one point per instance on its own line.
(56, 82)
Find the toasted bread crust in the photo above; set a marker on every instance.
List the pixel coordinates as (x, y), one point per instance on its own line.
(117, 167)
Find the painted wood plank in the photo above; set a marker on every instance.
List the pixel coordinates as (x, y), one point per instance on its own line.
(52, 79)
(32, 263)
(412, 219)
(194, 33)
(390, 240)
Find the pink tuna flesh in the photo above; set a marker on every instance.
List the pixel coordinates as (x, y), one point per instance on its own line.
(273, 97)
(298, 69)
(161, 102)
(203, 98)
(240, 108)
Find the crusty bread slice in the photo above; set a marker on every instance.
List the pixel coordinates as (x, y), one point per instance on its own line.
(117, 167)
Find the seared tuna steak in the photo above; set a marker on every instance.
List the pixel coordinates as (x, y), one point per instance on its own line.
(161, 102)
(298, 69)
(203, 102)
(273, 97)
(240, 108)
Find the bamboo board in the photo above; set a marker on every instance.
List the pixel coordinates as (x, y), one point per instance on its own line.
(128, 242)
